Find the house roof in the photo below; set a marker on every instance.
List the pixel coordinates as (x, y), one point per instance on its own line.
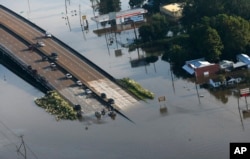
(121, 14)
(226, 64)
(244, 58)
(190, 66)
(188, 69)
(174, 7)
(239, 64)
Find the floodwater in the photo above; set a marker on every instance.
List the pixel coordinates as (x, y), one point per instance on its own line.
(192, 128)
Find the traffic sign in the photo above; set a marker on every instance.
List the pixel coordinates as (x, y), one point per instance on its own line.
(244, 92)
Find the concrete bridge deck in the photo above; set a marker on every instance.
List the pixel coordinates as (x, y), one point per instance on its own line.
(16, 34)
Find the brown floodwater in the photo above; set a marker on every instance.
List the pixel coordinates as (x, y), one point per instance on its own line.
(192, 127)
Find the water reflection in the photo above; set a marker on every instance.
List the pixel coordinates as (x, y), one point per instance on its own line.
(143, 61)
(246, 114)
(202, 131)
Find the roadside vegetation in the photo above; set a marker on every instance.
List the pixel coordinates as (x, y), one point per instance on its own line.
(216, 29)
(54, 104)
(136, 89)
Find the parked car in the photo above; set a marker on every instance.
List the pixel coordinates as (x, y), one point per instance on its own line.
(53, 56)
(79, 83)
(111, 101)
(68, 75)
(32, 46)
(88, 91)
(48, 35)
(44, 58)
(52, 64)
(40, 44)
(103, 95)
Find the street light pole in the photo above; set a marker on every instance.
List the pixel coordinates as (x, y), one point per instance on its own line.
(29, 5)
(134, 30)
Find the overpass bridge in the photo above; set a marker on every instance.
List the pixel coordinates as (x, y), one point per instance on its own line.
(16, 36)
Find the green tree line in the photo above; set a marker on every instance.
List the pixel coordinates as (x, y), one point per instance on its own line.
(215, 29)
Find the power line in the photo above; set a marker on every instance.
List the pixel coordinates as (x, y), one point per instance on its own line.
(23, 145)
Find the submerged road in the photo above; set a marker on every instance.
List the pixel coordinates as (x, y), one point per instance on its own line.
(80, 69)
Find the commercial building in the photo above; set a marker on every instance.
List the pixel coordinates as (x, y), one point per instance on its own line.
(134, 15)
(173, 10)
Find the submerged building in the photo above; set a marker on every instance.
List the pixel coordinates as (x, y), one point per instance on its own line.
(132, 15)
(173, 10)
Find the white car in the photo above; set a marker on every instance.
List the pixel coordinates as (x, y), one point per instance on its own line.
(88, 91)
(48, 35)
(53, 65)
(79, 83)
(40, 44)
(68, 75)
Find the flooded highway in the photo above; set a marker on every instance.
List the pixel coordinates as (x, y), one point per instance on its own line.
(192, 127)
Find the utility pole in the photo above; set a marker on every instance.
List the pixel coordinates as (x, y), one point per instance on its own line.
(66, 8)
(22, 145)
(172, 77)
(136, 39)
(238, 102)
(246, 102)
(29, 5)
(198, 95)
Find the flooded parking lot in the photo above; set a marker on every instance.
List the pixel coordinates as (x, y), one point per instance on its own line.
(192, 127)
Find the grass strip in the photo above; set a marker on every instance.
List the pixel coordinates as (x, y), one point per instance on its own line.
(54, 104)
(136, 89)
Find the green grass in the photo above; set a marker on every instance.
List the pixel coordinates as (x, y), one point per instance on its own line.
(54, 104)
(136, 89)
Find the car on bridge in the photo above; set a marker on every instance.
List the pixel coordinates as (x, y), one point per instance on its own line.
(103, 95)
(111, 101)
(47, 35)
(44, 58)
(79, 83)
(40, 44)
(53, 56)
(68, 76)
(52, 65)
(88, 91)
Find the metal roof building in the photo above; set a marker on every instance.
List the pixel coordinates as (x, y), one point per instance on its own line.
(173, 10)
(123, 16)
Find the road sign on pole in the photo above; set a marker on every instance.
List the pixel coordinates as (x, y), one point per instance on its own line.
(162, 98)
(84, 17)
(244, 92)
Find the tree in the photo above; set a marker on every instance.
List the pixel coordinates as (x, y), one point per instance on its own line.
(159, 25)
(247, 76)
(221, 35)
(177, 55)
(107, 6)
(212, 45)
(156, 30)
(135, 3)
(194, 10)
(238, 7)
(234, 32)
(205, 42)
(145, 33)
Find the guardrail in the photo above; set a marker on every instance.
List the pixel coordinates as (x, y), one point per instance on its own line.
(39, 78)
(63, 44)
(24, 67)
